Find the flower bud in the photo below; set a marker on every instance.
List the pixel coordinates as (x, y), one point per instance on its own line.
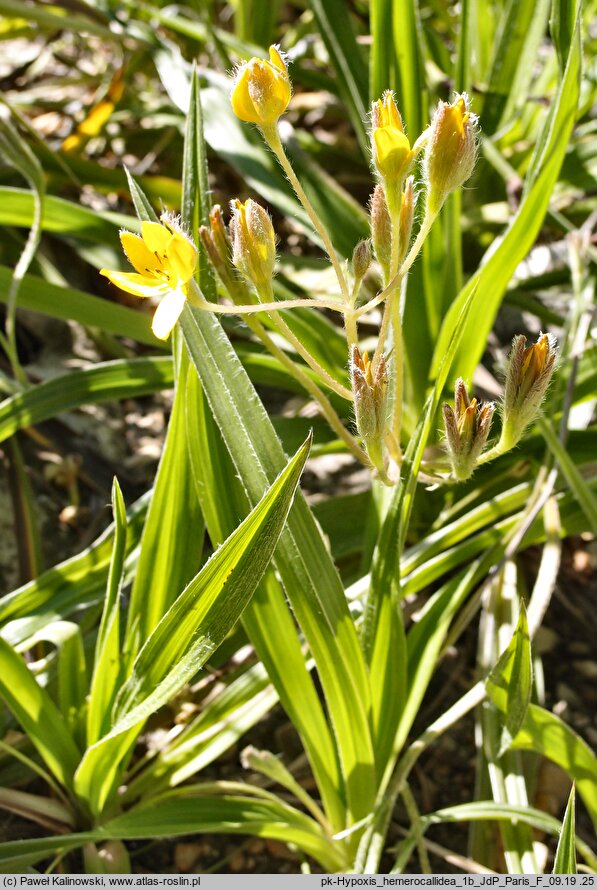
(392, 154)
(527, 378)
(253, 242)
(361, 259)
(216, 244)
(450, 150)
(262, 90)
(407, 213)
(381, 229)
(219, 233)
(467, 428)
(370, 390)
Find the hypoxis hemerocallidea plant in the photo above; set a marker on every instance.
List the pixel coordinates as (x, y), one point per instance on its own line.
(244, 259)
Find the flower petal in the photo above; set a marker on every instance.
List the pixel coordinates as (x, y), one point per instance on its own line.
(242, 104)
(167, 313)
(138, 253)
(156, 236)
(133, 283)
(182, 257)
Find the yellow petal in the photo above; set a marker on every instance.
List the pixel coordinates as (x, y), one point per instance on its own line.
(242, 104)
(156, 236)
(133, 283)
(167, 313)
(277, 60)
(392, 151)
(182, 257)
(138, 253)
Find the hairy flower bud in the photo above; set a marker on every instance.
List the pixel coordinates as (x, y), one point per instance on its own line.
(381, 229)
(450, 150)
(407, 214)
(392, 153)
(361, 259)
(370, 389)
(262, 90)
(467, 428)
(527, 378)
(253, 242)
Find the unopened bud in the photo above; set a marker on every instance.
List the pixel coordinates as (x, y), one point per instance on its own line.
(528, 375)
(370, 390)
(262, 90)
(381, 229)
(219, 232)
(392, 154)
(467, 428)
(253, 242)
(216, 244)
(450, 151)
(361, 259)
(407, 214)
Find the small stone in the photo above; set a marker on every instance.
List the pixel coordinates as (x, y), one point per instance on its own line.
(586, 668)
(186, 856)
(546, 640)
(237, 862)
(279, 850)
(565, 692)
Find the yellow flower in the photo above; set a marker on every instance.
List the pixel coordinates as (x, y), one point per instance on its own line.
(451, 150)
(262, 90)
(164, 260)
(391, 149)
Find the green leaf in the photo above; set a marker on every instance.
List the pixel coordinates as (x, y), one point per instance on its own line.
(307, 572)
(107, 662)
(561, 26)
(488, 810)
(565, 859)
(67, 587)
(119, 379)
(410, 83)
(510, 682)
(578, 486)
(74, 305)
(172, 541)
(546, 734)
(201, 809)
(203, 614)
(190, 631)
(521, 28)
(381, 56)
(38, 715)
(223, 720)
(63, 217)
(267, 618)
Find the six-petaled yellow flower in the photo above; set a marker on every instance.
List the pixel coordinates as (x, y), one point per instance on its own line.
(262, 90)
(164, 260)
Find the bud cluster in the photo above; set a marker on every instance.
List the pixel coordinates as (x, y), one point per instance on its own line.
(370, 391)
(468, 424)
(467, 428)
(528, 375)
